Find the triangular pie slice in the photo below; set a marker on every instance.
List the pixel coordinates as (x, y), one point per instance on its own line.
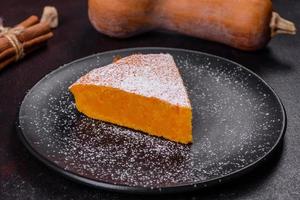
(143, 91)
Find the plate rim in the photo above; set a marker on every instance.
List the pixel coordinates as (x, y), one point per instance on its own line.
(147, 190)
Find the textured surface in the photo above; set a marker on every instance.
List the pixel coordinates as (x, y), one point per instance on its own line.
(152, 75)
(23, 177)
(237, 120)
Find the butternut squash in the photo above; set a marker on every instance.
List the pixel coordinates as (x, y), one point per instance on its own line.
(243, 24)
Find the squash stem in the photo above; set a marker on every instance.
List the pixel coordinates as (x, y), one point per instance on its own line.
(280, 25)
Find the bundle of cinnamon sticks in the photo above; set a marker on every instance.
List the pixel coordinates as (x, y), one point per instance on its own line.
(30, 34)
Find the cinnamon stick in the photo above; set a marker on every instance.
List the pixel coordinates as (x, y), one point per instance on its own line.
(35, 41)
(7, 62)
(12, 59)
(7, 53)
(24, 24)
(28, 34)
(28, 22)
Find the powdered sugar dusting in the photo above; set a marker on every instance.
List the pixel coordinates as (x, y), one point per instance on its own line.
(150, 75)
(236, 121)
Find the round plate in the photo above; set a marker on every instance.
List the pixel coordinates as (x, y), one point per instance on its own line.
(238, 120)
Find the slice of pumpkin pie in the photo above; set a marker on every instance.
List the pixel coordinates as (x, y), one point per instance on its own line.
(143, 91)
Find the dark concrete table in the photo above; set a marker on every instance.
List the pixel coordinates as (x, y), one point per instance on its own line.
(24, 177)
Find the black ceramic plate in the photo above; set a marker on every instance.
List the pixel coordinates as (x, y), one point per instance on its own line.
(238, 120)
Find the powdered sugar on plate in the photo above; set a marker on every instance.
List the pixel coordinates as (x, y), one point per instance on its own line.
(237, 120)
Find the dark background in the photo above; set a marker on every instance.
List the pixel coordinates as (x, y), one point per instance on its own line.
(24, 177)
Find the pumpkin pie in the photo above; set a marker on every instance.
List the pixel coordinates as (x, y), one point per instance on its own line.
(143, 92)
